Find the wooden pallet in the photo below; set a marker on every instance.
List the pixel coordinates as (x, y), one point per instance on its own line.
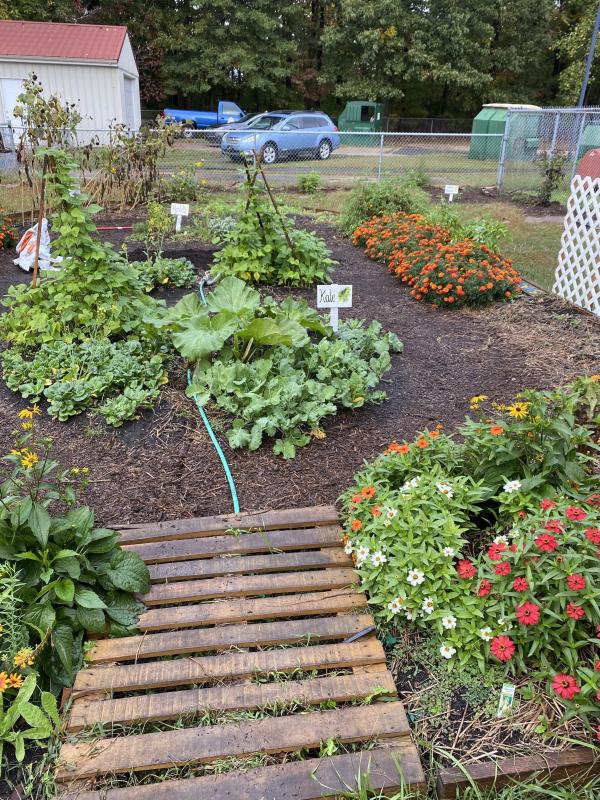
(238, 620)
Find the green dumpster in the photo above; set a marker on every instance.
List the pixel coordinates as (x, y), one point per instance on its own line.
(590, 140)
(490, 125)
(361, 116)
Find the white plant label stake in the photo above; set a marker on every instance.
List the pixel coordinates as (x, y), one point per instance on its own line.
(179, 210)
(334, 296)
(450, 189)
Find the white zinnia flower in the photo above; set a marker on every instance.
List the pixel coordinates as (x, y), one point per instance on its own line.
(445, 488)
(409, 616)
(391, 512)
(362, 554)
(395, 606)
(411, 484)
(449, 622)
(427, 606)
(505, 624)
(415, 577)
(447, 650)
(348, 548)
(501, 540)
(377, 559)
(486, 634)
(512, 486)
(448, 552)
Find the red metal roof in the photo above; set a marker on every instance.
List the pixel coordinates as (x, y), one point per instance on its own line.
(59, 40)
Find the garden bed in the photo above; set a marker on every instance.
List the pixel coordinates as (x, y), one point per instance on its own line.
(164, 466)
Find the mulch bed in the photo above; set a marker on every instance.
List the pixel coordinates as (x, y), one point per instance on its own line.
(163, 466)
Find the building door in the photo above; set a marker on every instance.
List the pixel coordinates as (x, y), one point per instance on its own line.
(10, 89)
(130, 102)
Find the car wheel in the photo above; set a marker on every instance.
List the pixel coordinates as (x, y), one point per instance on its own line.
(324, 149)
(188, 132)
(268, 154)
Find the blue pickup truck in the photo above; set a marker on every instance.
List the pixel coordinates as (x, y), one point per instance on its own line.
(198, 120)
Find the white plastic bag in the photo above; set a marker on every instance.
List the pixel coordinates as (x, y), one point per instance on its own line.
(26, 248)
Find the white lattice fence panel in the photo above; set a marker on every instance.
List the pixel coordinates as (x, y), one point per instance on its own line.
(577, 277)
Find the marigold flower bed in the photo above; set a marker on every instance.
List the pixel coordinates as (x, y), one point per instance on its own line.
(436, 268)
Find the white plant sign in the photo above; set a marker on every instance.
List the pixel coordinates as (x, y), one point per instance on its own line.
(451, 189)
(179, 210)
(577, 276)
(334, 296)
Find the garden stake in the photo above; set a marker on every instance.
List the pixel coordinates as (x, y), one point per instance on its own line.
(40, 218)
(275, 206)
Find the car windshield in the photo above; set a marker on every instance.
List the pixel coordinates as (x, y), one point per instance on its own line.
(264, 123)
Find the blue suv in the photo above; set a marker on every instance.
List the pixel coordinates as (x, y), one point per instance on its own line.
(281, 135)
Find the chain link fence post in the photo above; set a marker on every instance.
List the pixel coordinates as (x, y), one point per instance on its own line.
(554, 135)
(578, 143)
(503, 149)
(380, 162)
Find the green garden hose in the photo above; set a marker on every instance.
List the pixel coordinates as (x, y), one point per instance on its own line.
(211, 433)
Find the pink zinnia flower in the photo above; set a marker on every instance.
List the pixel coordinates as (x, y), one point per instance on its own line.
(502, 647)
(520, 584)
(575, 611)
(565, 686)
(465, 569)
(528, 613)
(546, 504)
(503, 568)
(575, 513)
(485, 588)
(546, 543)
(576, 582)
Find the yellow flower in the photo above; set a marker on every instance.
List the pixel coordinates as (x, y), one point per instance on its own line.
(74, 470)
(3, 681)
(85, 470)
(479, 398)
(318, 433)
(35, 409)
(27, 426)
(518, 409)
(29, 458)
(198, 164)
(15, 681)
(595, 378)
(16, 452)
(25, 413)
(24, 658)
(1, 630)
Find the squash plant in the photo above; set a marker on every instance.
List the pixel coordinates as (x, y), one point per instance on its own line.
(277, 368)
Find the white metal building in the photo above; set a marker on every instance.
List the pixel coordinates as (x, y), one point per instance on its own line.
(90, 65)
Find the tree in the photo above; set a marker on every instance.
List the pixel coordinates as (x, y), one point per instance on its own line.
(572, 49)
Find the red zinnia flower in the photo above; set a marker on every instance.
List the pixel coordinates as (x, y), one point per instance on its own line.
(546, 543)
(594, 499)
(495, 551)
(575, 582)
(528, 614)
(356, 524)
(597, 666)
(565, 686)
(546, 504)
(485, 588)
(575, 512)
(520, 584)
(593, 534)
(465, 569)
(554, 526)
(502, 647)
(574, 611)
(503, 568)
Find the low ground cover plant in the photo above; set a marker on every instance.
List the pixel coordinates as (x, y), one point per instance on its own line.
(438, 269)
(491, 543)
(265, 247)
(277, 368)
(71, 336)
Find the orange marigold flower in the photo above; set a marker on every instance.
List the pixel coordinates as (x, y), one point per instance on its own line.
(434, 434)
(422, 443)
(15, 681)
(496, 430)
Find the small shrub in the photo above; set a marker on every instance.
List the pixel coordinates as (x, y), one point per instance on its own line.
(309, 183)
(486, 230)
(552, 172)
(369, 199)
(183, 186)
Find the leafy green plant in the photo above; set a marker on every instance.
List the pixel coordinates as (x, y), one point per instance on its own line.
(309, 182)
(276, 367)
(486, 230)
(552, 172)
(166, 272)
(266, 247)
(73, 576)
(183, 186)
(368, 199)
(22, 720)
(97, 372)
(220, 227)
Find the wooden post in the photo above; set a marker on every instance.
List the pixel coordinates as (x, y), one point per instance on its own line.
(40, 218)
(275, 206)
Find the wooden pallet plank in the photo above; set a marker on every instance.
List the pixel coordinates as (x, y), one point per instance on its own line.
(388, 770)
(239, 610)
(260, 634)
(263, 542)
(498, 773)
(248, 585)
(239, 565)
(87, 712)
(209, 526)
(205, 744)
(182, 671)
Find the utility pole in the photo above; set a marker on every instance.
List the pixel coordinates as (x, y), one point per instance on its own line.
(590, 58)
